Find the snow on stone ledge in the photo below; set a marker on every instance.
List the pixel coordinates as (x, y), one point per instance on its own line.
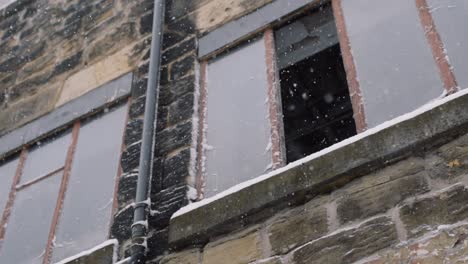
(92, 250)
(5, 3)
(425, 108)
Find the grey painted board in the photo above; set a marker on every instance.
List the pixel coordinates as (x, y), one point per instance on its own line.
(46, 158)
(237, 124)
(5, 3)
(239, 29)
(7, 173)
(29, 224)
(451, 20)
(65, 114)
(87, 207)
(305, 37)
(393, 59)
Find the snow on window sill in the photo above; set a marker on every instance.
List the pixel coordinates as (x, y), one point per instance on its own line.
(340, 163)
(112, 242)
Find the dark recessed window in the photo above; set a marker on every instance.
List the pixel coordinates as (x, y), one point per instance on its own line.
(316, 105)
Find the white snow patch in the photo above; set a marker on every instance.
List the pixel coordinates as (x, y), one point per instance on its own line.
(421, 252)
(195, 127)
(192, 193)
(154, 212)
(369, 259)
(423, 109)
(208, 147)
(104, 207)
(92, 250)
(147, 202)
(131, 205)
(268, 147)
(268, 167)
(6, 3)
(143, 223)
(124, 261)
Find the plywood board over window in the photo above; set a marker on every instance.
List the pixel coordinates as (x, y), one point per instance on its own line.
(67, 184)
(237, 143)
(394, 63)
(275, 98)
(92, 179)
(450, 19)
(333, 69)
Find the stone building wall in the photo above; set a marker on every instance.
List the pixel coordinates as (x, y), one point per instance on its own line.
(175, 137)
(410, 208)
(53, 51)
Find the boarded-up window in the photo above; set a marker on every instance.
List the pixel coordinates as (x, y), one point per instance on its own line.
(451, 20)
(394, 63)
(45, 158)
(28, 228)
(237, 127)
(7, 173)
(85, 215)
(87, 207)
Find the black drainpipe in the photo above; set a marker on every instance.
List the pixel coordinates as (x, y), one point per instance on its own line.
(139, 226)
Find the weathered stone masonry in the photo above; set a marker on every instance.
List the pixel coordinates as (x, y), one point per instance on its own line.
(381, 199)
(55, 51)
(412, 208)
(185, 21)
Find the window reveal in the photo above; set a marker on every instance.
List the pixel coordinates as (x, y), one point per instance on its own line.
(237, 128)
(317, 110)
(92, 180)
(28, 227)
(42, 178)
(242, 133)
(7, 172)
(38, 164)
(374, 54)
(450, 19)
(394, 63)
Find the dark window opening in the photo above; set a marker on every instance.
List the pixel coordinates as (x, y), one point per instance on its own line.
(317, 109)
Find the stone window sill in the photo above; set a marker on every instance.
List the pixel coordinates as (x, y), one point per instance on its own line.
(105, 253)
(252, 201)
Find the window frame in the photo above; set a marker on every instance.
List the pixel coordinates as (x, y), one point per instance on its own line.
(68, 118)
(272, 15)
(263, 22)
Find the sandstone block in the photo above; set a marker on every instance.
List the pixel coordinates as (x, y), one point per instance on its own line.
(218, 12)
(95, 76)
(450, 160)
(103, 255)
(448, 246)
(274, 260)
(27, 109)
(297, 227)
(181, 109)
(240, 250)
(349, 245)
(444, 207)
(186, 257)
(381, 191)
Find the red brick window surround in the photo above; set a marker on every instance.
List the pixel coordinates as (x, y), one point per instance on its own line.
(57, 195)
